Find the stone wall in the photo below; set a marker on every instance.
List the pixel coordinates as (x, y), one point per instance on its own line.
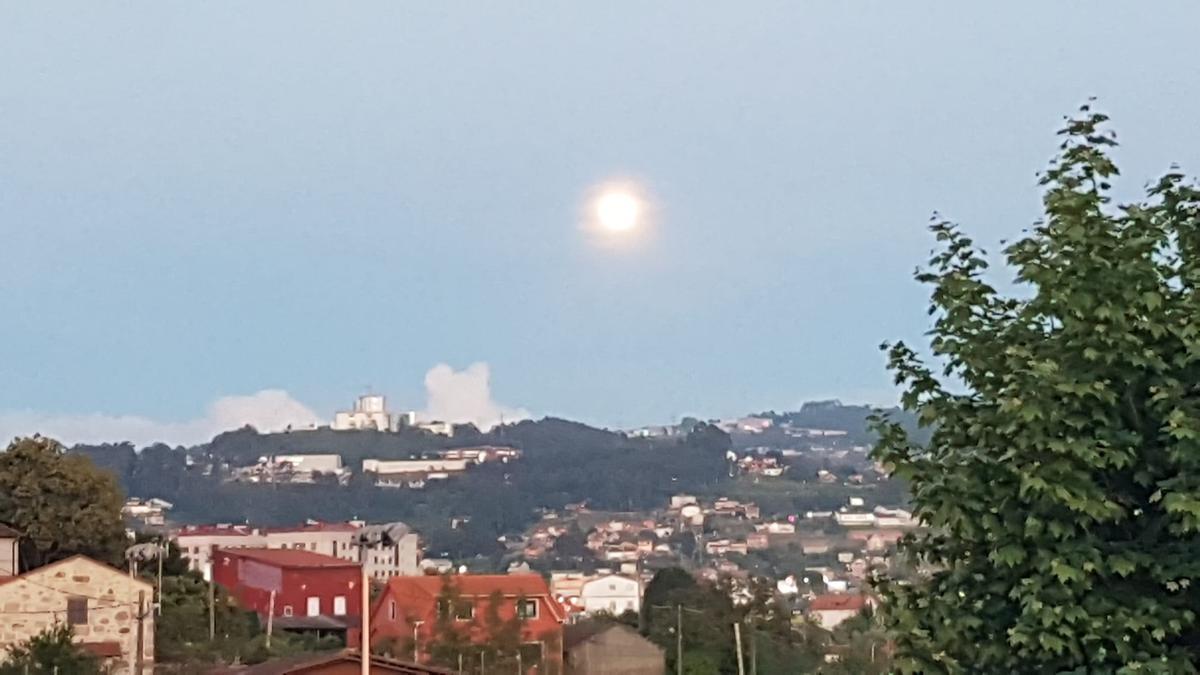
(35, 601)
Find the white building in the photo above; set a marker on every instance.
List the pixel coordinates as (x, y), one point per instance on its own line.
(370, 412)
(400, 467)
(437, 427)
(854, 519)
(611, 593)
(340, 540)
(310, 463)
(149, 511)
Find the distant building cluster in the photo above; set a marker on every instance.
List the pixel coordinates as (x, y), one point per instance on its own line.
(370, 412)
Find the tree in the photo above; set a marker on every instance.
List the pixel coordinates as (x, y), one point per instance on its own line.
(51, 651)
(1060, 485)
(61, 504)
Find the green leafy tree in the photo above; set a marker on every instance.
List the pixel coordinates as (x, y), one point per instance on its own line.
(1061, 485)
(61, 504)
(51, 651)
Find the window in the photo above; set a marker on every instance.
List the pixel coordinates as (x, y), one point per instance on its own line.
(339, 606)
(392, 610)
(287, 610)
(527, 609)
(462, 610)
(314, 606)
(531, 654)
(77, 611)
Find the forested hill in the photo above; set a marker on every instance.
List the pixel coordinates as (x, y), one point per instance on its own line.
(563, 462)
(853, 419)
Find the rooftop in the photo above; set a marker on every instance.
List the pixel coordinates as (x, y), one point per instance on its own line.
(837, 601)
(476, 584)
(215, 530)
(287, 557)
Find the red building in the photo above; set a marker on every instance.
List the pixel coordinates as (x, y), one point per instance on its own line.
(412, 611)
(312, 592)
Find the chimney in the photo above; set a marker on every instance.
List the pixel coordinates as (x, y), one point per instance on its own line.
(9, 557)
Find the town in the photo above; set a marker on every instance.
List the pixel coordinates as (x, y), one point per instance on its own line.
(580, 581)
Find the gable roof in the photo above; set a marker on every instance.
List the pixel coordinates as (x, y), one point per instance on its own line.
(108, 569)
(7, 532)
(478, 585)
(579, 633)
(289, 557)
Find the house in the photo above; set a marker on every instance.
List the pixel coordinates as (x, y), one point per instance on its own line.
(848, 519)
(410, 609)
(611, 593)
(301, 590)
(345, 662)
(149, 511)
(595, 648)
(109, 611)
(757, 541)
(831, 609)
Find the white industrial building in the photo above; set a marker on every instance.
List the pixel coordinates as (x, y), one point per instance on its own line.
(370, 412)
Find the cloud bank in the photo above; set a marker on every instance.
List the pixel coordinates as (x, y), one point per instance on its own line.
(451, 396)
(267, 410)
(465, 396)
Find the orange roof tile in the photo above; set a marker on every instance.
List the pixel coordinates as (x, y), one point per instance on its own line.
(836, 601)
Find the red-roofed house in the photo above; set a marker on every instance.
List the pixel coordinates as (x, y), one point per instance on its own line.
(420, 607)
(312, 591)
(833, 608)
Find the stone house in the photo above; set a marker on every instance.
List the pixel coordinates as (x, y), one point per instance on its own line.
(100, 603)
(610, 649)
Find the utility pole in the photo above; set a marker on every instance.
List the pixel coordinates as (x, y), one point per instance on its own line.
(140, 656)
(753, 652)
(212, 611)
(270, 619)
(679, 639)
(162, 552)
(365, 640)
(737, 639)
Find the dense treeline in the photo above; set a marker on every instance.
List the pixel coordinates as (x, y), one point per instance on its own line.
(564, 462)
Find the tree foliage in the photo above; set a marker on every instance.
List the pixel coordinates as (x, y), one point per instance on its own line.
(61, 504)
(1061, 484)
(51, 651)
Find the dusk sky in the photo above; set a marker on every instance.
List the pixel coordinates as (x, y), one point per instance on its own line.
(209, 200)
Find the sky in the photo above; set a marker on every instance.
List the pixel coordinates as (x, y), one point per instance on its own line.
(226, 212)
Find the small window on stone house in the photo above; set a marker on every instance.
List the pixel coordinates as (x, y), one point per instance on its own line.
(77, 611)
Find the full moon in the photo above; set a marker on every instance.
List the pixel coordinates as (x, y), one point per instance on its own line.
(618, 210)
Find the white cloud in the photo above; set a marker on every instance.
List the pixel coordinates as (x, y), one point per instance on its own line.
(465, 396)
(267, 410)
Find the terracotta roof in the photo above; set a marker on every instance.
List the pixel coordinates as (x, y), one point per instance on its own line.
(313, 662)
(288, 557)
(480, 585)
(110, 649)
(837, 601)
